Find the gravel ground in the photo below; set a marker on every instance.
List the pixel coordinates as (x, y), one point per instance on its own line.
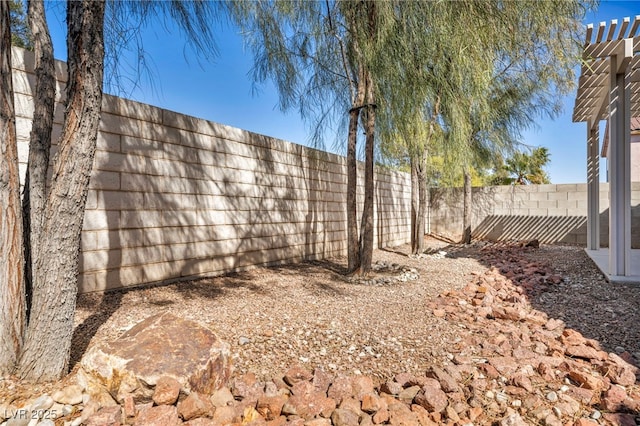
(586, 302)
(309, 313)
(305, 313)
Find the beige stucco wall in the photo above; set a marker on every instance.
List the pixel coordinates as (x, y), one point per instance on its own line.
(550, 213)
(173, 196)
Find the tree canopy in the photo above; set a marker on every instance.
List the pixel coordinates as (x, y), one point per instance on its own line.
(20, 34)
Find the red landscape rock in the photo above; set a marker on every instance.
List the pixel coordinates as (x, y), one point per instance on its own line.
(162, 415)
(585, 352)
(447, 382)
(431, 399)
(111, 416)
(361, 386)
(297, 374)
(270, 407)
(161, 345)
(166, 391)
(195, 405)
(340, 388)
(342, 417)
(619, 371)
(613, 398)
(586, 380)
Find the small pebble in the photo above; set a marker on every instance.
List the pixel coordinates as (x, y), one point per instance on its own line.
(502, 397)
(552, 396)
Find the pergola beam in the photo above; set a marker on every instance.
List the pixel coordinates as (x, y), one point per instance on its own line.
(609, 48)
(612, 29)
(634, 27)
(593, 186)
(609, 88)
(623, 29)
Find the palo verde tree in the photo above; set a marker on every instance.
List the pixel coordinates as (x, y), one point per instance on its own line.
(440, 68)
(326, 59)
(42, 261)
(533, 65)
(490, 76)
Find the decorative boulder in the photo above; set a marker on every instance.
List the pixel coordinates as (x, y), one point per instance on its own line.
(161, 345)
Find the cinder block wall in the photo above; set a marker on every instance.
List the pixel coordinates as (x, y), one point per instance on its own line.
(173, 196)
(550, 213)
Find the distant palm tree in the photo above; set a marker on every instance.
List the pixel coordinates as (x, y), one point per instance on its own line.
(524, 169)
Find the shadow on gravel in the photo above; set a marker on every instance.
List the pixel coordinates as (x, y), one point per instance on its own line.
(103, 305)
(82, 334)
(564, 283)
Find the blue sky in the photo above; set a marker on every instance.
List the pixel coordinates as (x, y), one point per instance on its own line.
(222, 90)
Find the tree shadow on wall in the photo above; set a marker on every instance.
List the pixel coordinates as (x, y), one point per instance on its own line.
(550, 229)
(393, 211)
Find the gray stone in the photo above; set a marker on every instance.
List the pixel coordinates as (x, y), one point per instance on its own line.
(69, 395)
(43, 402)
(513, 420)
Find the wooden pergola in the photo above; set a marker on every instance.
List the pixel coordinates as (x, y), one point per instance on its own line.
(609, 89)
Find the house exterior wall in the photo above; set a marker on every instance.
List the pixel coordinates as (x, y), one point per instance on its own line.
(173, 196)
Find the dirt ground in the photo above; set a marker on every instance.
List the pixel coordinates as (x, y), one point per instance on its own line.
(311, 314)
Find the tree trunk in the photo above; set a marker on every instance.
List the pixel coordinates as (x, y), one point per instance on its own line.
(415, 203)
(12, 304)
(421, 175)
(353, 252)
(353, 247)
(35, 186)
(366, 227)
(466, 216)
(55, 273)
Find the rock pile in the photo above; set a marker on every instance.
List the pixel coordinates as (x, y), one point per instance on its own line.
(515, 366)
(385, 273)
(525, 368)
(439, 254)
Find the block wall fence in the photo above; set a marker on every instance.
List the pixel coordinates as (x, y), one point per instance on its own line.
(550, 213)
(173, 196)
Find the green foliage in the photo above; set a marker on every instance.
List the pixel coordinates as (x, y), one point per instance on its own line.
(523, 168)
(484, 71)
(20, 34)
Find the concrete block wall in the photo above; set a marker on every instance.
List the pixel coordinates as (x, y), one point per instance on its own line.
(174, 196)
(554, 213)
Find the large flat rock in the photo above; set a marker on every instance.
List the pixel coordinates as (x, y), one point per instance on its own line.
(161, 345)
